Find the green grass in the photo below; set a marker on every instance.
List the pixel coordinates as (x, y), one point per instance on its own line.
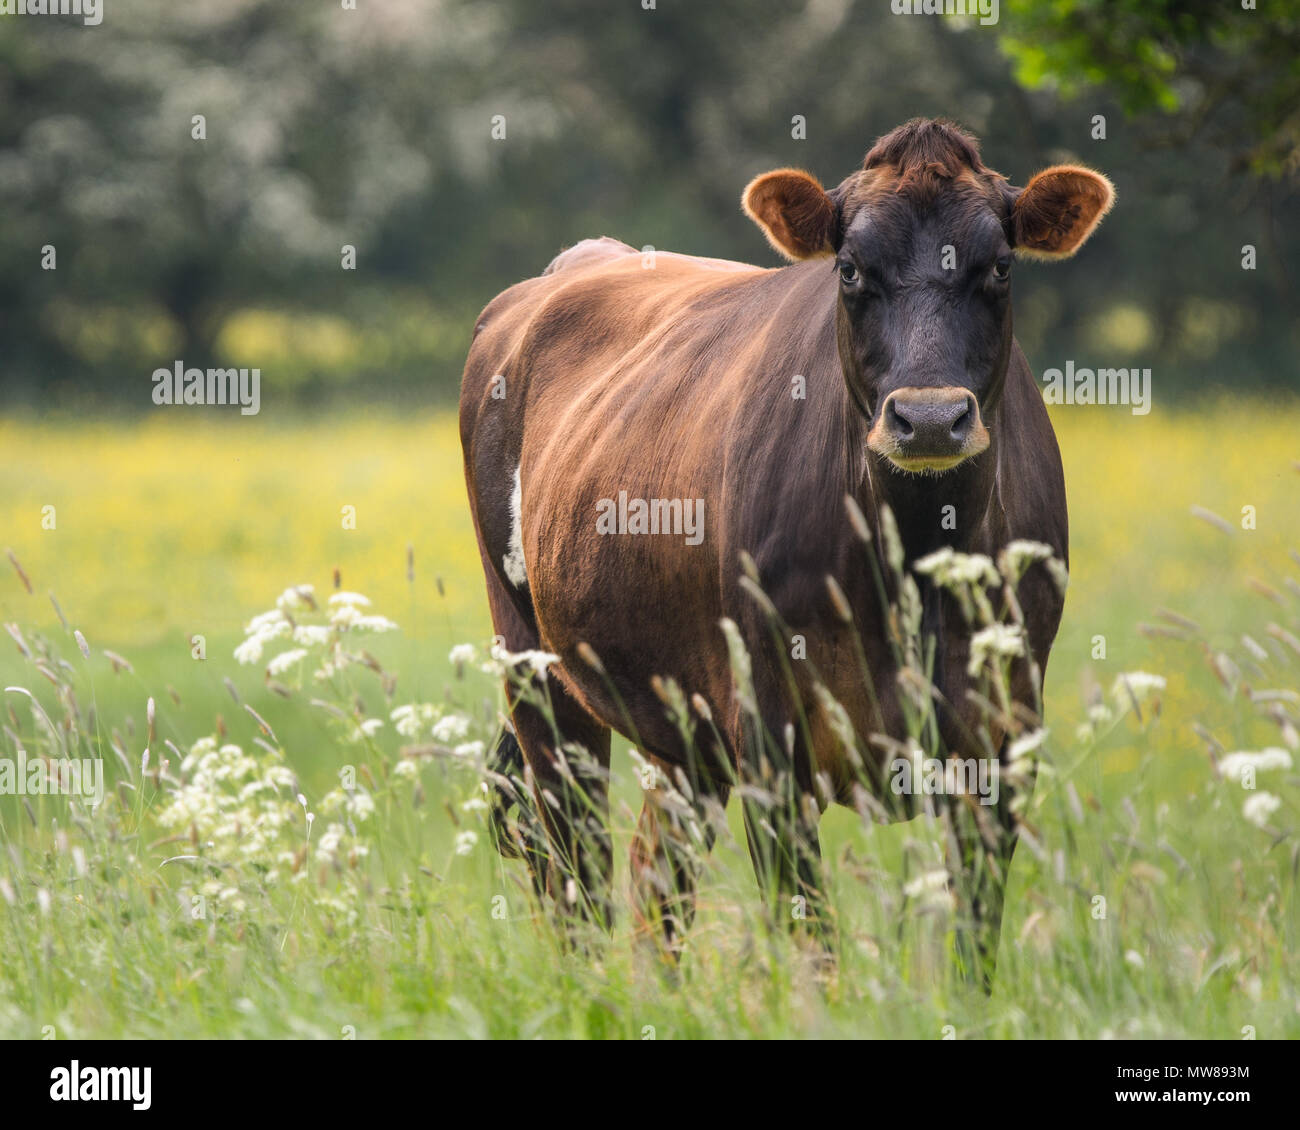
(175, 528)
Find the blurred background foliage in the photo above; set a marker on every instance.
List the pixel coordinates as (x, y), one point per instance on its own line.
(373, 127)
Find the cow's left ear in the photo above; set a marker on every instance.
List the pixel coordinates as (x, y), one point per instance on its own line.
(1057, 210)
(799, 219)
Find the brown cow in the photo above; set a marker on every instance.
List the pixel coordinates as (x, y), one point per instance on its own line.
(732, 408)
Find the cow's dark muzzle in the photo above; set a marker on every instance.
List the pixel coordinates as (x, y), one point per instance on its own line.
(928, 429)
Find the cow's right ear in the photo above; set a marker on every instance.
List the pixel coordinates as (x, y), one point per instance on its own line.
(797, 216)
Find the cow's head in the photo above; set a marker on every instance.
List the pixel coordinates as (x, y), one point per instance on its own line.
(922, 240)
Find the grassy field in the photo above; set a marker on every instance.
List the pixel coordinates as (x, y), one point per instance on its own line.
(199, 900)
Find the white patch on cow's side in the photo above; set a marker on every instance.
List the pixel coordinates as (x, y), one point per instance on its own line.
(514, 558)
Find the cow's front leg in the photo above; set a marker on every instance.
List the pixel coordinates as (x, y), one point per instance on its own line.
(676, 830)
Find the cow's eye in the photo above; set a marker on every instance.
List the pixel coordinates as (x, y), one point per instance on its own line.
(848, 273)
(1002, 268)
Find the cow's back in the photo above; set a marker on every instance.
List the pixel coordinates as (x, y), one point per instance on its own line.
(592, 304)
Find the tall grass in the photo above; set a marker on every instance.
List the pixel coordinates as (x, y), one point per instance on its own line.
(1153, 893)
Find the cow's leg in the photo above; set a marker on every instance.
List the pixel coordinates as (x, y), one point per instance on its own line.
(676, 831)
(515, 827)
(567, 753)
(563, 829)
(781, 817)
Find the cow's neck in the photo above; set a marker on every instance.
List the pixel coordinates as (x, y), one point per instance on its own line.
(960, 509)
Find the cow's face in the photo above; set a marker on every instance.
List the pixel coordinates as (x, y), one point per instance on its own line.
(921, 243)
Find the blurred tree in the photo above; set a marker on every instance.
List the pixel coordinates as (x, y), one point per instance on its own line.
(187, 160)
(459, 144)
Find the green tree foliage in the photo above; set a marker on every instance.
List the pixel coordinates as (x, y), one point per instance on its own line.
(1225, 72)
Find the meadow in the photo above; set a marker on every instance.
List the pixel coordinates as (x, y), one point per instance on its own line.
(303, 852)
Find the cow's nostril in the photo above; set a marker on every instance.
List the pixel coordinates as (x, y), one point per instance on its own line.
(896, 422)
(962, 425)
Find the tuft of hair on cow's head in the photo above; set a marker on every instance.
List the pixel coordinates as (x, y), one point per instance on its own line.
(922, 237)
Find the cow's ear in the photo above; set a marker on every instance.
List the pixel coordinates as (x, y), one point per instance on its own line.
(1057, 210)
(799, 219)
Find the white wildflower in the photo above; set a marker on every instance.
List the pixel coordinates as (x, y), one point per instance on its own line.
(450, 728)
(286, 659)
(465, 842)
(1018, 555)
(1135, 686)
(410, 720)
(935, 562)
(279, 776)
(1260, 807)
(536, 661)
(462, 653)
(350, 598)
(250, 651)
(251, 789)
(360, 805)
(375, 624)
(949, 569)
(367, 728)
(966, 576)
(997, 641)
(1099, 714)
(272, 621)
(344, 616)
(328, 845)
(1235, 766)
(297, 596)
